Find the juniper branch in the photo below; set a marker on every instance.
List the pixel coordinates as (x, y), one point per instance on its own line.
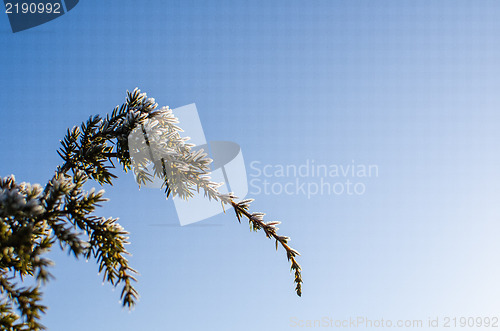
(256, 222)
(32, 219)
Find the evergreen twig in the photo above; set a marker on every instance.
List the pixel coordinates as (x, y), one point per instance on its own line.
(33, 218)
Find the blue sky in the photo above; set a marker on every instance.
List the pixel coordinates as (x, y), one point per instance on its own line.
(410, 86)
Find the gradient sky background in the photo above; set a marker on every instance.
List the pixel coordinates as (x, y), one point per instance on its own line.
(411, 86)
